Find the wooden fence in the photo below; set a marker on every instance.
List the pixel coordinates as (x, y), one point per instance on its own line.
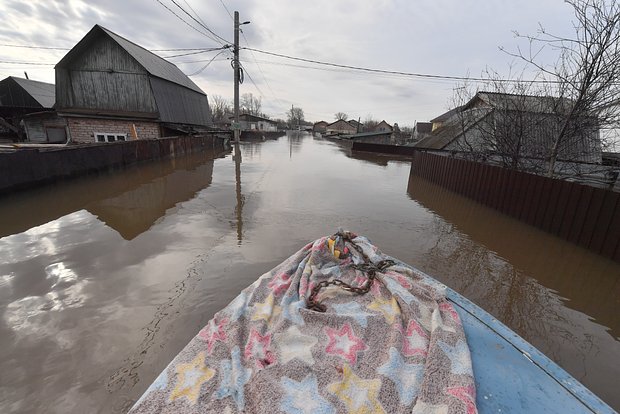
(584, 215)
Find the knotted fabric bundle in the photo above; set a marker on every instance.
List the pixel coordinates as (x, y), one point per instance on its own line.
(289, 343)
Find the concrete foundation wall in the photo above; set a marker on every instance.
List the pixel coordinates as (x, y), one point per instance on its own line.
(28, 167)
(83, 130)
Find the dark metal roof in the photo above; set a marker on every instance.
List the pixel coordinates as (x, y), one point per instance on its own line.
(153, 64)
(447, 133)
(43, 93)
(446, 115)
(424, 127)
(525, 103)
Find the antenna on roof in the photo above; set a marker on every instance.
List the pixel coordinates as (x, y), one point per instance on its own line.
(26, 73)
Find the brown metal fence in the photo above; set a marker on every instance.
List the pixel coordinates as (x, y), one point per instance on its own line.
(584, 215)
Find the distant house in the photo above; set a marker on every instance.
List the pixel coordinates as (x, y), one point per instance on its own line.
(341, 127)
(421, 130)
(358, 125)
(111, 89)
(319, 126)
(439, 121)
(383, 127)
(513, 125)
(257, 123)
(19, 97)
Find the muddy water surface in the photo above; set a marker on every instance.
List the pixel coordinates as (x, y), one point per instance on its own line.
(104, 279)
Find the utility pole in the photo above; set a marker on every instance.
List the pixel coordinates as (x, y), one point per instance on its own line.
(236, 125)
(236, 68)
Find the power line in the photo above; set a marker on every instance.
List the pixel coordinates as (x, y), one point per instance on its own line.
(207, 65)
(259, 68)
(200, 61)
(35, 47)
(27, 63)
(252, 80)
(227, 11)
(213, 49)
(183, 20)
(204, 26)
(391, 72)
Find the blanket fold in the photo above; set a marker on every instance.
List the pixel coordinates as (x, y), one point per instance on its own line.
(400, 348)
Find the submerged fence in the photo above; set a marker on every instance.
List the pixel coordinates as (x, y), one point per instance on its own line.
(31, 166)
(581, 214)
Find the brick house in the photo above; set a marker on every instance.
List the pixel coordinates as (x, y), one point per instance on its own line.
(110, 89)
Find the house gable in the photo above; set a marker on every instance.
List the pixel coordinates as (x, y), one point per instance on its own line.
(341, 126)
(106, 74)
(26, 93)
(100, 75)
(383, 127)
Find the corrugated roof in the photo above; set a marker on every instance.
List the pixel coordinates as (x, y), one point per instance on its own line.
(446, 115)
(424, 127)
(43, 93)
(153, 64)
(444, 135)
(526, 103)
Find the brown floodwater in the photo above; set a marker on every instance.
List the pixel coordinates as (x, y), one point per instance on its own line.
(105, 278)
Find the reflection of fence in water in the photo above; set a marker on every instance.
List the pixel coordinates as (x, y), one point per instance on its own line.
(581, 214)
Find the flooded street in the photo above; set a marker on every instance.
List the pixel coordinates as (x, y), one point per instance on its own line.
(104, 279)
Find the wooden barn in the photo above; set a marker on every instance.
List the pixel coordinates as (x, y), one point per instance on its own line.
(19, 97)
(111, 89)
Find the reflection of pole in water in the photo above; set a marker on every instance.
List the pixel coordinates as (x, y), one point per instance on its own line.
(240, 198)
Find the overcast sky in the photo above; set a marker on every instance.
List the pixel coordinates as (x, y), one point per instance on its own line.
(439, 37)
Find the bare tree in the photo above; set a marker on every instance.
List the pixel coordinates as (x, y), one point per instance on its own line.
(251, 105)
(220, 107)
(586, 77)
(370, 123)
(341, 116)
(507, 122)
(295, 117)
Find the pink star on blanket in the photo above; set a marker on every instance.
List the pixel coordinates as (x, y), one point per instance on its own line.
(446, 307)
(257, 348)
(344, 343)
(416, 340)
(375, 288)
(466, 395)
(213, 332)
(404, 281)
(280, 283)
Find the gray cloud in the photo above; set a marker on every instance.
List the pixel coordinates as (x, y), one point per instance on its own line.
(446, 37)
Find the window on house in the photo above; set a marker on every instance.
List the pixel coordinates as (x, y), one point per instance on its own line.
(109, 137)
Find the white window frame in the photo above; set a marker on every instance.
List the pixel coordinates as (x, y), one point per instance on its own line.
(107, 135)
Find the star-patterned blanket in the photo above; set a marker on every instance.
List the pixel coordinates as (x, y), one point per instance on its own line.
(400, 348)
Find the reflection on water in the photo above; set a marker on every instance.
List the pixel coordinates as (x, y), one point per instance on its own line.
(104, 279)
(129, 202)
(591, 283)
(547, 290)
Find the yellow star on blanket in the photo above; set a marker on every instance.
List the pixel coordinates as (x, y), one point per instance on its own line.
(358, 395)
(389, 308)
(190, 378)
(266, 310)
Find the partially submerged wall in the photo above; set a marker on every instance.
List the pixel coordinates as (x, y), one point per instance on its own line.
(84, 129)
(28, 167)
(581, 214)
